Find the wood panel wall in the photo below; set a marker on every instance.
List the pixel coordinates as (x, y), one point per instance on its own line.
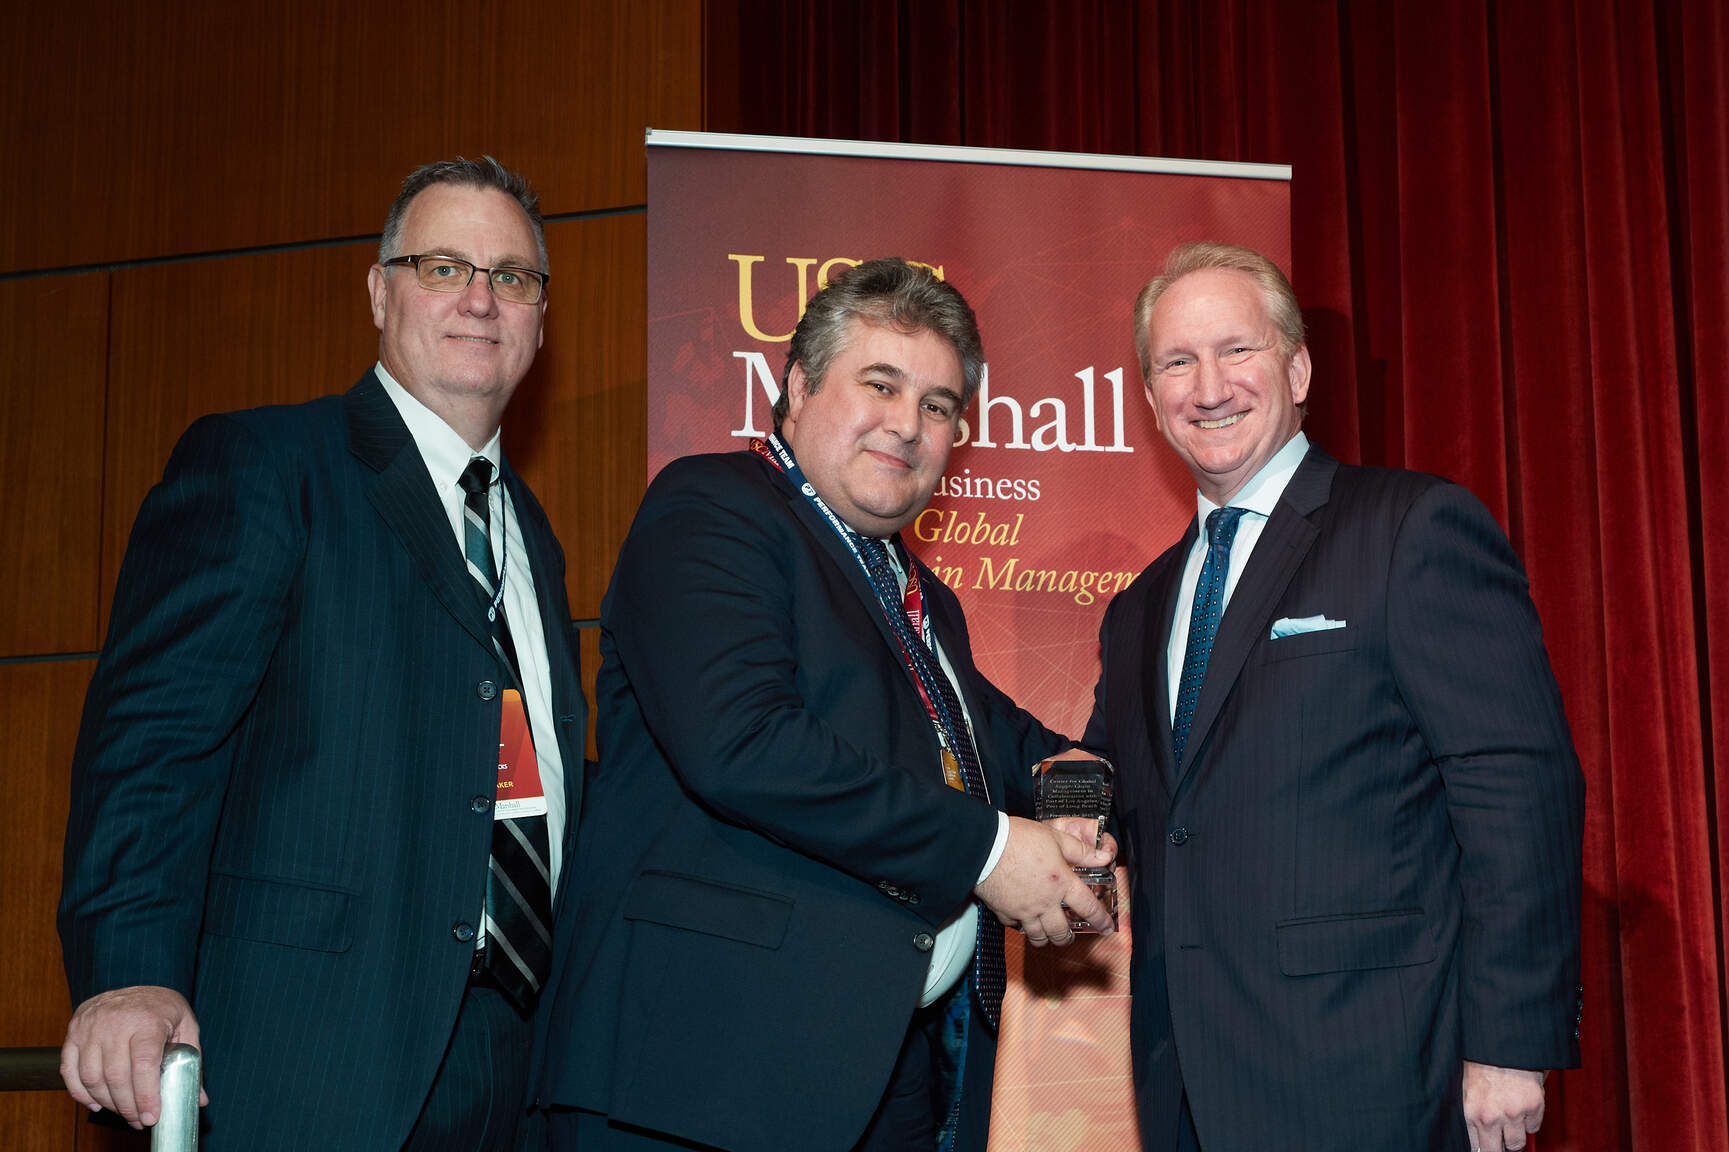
(196, 193)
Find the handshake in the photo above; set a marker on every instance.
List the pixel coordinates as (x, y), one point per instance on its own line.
(1054, 877)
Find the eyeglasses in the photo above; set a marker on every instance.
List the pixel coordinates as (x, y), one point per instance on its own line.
(448, 274)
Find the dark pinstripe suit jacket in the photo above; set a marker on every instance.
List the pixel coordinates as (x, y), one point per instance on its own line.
(1368, 867)
(275, 789)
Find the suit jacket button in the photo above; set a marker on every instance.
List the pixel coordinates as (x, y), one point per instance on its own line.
(487, 689)
(463, 931)
(1178, 836)
(924, 942)
(479, 804)
(912, 897)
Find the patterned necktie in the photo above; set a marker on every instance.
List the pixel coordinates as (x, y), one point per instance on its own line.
(990, 978)
(518, 945)
(1204, 621)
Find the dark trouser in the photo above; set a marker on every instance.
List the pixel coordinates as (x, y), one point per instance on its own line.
(481, 1088)
(918, 1096)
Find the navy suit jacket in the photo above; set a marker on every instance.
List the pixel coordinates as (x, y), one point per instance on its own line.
(1367, 868)
(281, 792)
(769, 846)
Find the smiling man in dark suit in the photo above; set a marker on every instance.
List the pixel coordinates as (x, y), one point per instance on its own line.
(1350, 803)
(795, 854)
(336, 625)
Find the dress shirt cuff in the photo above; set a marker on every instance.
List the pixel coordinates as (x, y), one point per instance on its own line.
(997, 847)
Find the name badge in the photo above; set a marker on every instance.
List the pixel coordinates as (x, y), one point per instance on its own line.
(952, 770)
(520, 792)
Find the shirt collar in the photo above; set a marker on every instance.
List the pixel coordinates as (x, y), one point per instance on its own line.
(1261, 494)
(446, 453)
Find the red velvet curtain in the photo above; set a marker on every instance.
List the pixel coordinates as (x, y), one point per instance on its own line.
(1511, 235)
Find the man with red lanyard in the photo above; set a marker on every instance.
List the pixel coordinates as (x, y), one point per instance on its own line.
(798, 854)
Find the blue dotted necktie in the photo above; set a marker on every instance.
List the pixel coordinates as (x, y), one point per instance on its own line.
(518, 949)
(1204, 621)
(990, 977)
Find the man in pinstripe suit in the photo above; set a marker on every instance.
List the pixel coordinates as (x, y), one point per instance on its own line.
(283, 798)
(1349, 799)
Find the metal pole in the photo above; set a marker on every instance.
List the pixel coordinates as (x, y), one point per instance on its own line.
(177, 1129)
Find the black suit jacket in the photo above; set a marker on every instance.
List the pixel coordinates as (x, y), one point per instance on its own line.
(281, 793)
(769, 846)
(1367, 869)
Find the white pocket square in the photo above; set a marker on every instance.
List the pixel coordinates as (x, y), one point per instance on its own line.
(1297, 625)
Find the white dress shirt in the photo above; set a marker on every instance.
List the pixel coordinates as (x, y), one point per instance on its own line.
(1259, 496)
(447, 455)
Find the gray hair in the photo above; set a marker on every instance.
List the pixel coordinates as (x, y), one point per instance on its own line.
(1203, 255)
(892, 292)
(482, 173)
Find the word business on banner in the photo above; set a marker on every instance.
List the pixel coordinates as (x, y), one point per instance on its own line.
(1059, 490)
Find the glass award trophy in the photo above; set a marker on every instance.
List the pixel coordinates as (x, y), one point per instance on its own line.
(1080, 788)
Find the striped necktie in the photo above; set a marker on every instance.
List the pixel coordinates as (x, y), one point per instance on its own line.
(517, 950)
(990, 976)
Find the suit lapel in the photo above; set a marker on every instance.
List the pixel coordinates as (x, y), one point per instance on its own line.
(1159, 606)
(403, 494)
(835, 548)
(1284, 542)
(830, 543)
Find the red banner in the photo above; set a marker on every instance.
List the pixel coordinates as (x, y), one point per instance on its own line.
(1059, 490)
